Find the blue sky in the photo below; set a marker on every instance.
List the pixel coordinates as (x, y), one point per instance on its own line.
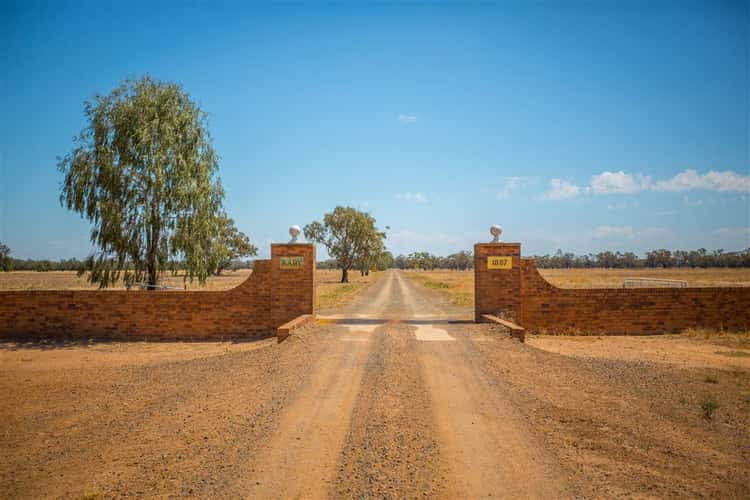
(581, 126)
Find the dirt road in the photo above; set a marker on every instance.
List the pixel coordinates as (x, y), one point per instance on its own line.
(481, 443)
(395, 396)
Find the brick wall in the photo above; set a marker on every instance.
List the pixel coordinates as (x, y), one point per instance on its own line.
(545, 307)
(496, 291)
(524, 296)
(294, 288)
(267, 299)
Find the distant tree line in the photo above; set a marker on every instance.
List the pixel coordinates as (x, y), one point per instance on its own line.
(416, 260)
(655, 258)
(76, 265)
(8, 263)
(459, 261)
(45, 265)
(660, 258)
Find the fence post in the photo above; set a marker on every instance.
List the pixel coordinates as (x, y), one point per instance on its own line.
(292, 281)
(497, 280)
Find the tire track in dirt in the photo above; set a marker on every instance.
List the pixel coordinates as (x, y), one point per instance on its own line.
(374, 302)
(621, 428)
(179, 428)
(391, 449)
(484, 440)
(429, 423)
(299, 461)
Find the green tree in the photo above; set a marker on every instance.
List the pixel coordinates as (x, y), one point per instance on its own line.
(143, 172)
(385, 260)
(6, 262)
(402, 262)
(659, 258)
(370, 253)
(229, 244)
(348, 234)
(461, 260)
(422, 260)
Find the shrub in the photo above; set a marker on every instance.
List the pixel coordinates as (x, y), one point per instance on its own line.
(709, 406)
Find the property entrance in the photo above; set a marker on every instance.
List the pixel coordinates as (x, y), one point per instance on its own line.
(497, 280)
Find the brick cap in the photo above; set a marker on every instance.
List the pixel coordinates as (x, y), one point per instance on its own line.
(501, 244)
(292, 244)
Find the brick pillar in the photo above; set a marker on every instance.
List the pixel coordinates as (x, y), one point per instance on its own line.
(292, 281)
(497, 282)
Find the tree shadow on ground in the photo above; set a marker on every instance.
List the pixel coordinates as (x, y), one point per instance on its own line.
(49, 344)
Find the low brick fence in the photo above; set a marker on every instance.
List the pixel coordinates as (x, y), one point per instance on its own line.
(547, 308)
(519, 293)
(278, 290)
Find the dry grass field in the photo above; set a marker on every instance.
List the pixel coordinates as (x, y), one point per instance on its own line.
(691, 349)
(334, 294)
(69, 280)
(459, 285)
(613, 278)
(331, 293)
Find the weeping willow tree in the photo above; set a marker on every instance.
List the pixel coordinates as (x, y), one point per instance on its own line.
(144, 173)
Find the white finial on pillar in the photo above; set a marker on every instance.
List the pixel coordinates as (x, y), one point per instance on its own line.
(496, 231)
(294, 232)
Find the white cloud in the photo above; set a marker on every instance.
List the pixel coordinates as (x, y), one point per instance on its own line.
(439, 243)
(732, 238)
(619, 232)
(412, 197)
(608, 237)
(664, 213)
(612, 231)
(733, 230)
(710, 181)
(654, 232)
(407, 118)
(510, 184)
(623, 206)
(561, 190)
(694, 203)
(419, 239)
(624, 183)
(618, 182)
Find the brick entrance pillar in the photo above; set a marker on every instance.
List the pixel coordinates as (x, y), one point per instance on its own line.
(497, 280)
(292, 281)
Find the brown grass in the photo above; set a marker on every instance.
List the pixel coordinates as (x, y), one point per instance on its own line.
(459, 285)
(333, 294)
(613, 278)
(697, 350)
(737, 340)
(330, 292)
(69, 280)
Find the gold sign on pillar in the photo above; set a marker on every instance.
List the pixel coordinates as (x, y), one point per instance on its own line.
(292, 262)
(499, 262)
